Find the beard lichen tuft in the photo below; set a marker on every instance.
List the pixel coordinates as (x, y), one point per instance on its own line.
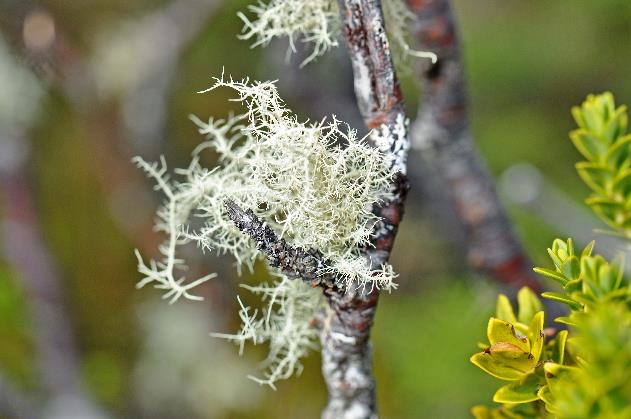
(286, 323)
(317, 22)
(313, 183)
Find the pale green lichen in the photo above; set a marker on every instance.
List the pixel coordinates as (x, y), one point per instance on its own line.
(314, 21)
(317, 22)
(285, 323)
(313, 183)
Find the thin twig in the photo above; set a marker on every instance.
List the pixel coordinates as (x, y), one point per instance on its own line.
(441, 133)
(295, 262)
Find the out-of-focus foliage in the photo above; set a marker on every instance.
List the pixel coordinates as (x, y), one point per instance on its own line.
(599, 382)
(14, 329)
(589, 374)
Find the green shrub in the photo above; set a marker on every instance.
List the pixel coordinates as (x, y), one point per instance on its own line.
(586, 371)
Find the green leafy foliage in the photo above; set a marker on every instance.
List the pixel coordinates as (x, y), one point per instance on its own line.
(517, 354)
(598, 382)
(586, 371)
(585, 278)
(603, 140)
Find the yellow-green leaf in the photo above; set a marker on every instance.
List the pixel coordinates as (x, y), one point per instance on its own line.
(562, 298)
(529, 305)
(565, 320)
(554, 371)
(523, 391)
(504, 309)
(535, 335)
(504, 361)
(619, 153)
(500, 331)
(616, 125)
(622, 183)
(559, 277)
(547, 397)
(481, 412)
(590, 146)
(558, 352)
(596, 176)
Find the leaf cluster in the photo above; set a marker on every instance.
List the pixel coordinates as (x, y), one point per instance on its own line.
(585, 372)
(585, 278)
(518, 354)
(602, 139)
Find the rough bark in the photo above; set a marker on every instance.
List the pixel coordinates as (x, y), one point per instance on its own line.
(346, 350)
(345, 335)
(345, 338)
(441, 133)
(294, 262)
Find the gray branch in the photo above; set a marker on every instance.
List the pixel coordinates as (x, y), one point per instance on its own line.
(346, 349)
(295, 262)
(345, 335)
(346, 352)
(442, 135)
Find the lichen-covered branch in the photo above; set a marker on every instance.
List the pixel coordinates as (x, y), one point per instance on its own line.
(345, 334)
(441, 133)
(346, 351)
(376, 85)
(295, 262)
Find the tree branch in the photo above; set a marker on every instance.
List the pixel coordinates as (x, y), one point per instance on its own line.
(294, 262)
(346, 350)
(345, 335)
(441, 132)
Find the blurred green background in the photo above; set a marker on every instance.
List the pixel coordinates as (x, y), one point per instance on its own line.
(123, 82)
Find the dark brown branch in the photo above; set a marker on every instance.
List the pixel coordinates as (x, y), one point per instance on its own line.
(295, 262)
(442, 134)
